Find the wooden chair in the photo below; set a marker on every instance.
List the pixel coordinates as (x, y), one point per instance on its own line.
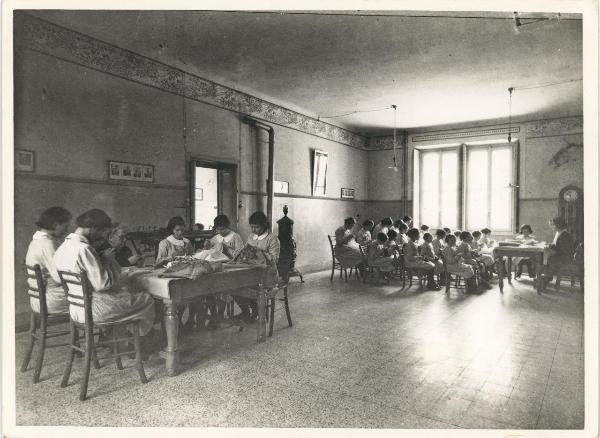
(411, 273)
(42, 320)
(367, 270)
(459, 281)
(335, 264)
(79, 295)
(573, 270)
(273, 297)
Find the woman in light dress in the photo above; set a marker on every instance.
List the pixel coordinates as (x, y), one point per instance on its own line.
(175, 245)
(456, 265)
(53, 225)
(347, 250)
(113, 297)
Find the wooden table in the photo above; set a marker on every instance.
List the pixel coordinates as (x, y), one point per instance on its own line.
(535, 252)
(174, 292)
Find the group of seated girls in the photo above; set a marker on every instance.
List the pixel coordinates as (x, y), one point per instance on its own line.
(387, 240)
(97, 247)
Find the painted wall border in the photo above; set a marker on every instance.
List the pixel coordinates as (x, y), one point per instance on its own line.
(45, 37)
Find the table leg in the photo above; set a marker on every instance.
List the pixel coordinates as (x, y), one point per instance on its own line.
(500, 269)
(539, 266)
(172, 327)
(261, 330)
(509, 269)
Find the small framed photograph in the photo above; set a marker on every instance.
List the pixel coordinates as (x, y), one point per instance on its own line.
(281, 187)
(199, 194)
(130, 171)
(347, 193)
(24, 160)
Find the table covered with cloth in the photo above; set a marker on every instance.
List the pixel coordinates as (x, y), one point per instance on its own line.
(251, 281)
(538, 253)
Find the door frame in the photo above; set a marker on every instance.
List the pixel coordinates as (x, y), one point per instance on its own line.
(212, 163)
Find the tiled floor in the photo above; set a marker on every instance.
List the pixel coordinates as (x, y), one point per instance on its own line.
(357, 356)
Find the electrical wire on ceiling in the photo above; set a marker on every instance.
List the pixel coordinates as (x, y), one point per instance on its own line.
(372, 110)
(549, 84)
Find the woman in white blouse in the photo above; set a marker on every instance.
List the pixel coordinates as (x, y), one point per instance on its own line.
(53, 225)
(175, 245)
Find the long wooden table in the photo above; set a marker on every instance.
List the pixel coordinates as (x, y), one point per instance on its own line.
(174, 292)
(535, 252)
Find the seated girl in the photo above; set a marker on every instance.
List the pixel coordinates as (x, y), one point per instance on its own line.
(363, 236)
(427, 251)
(527, 237)
(438, 243)
(227, 241)
(391, 244)
(124, 255)
(402, 238)
(413, 260)
(378, 255)
(383, 226)
(457, 235)
(175, 244)
(347, 250)
(469, 256)
(456, 265)
(53, 225)
(263, 239)
(486, 259)
(407, 220)
(486, 241)
(561, 248)
(113, 298)
(422, 230)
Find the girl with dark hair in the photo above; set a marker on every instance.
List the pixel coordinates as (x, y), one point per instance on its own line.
(347, 250)
(378, 255)
(229, 242)
(561, 249)
(412, 259)
(402, 239)
(112, 300)
(438, 243)
(52, 228)
(456, 265)
(363, 236)
(383, 226)
(175, 244)
(470, 256)
(263, 239)
(526, 236)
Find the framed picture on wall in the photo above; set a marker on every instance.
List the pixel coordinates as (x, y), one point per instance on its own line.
(281, 187)
(347, 193)
(319, 186)
(24, 160)
(130, 171)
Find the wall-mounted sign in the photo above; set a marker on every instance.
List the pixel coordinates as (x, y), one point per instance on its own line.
(24, 161)
(347, 193)
(281, 187)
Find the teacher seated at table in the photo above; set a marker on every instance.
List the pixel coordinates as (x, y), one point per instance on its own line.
(124, 255)
(347, 250)
(175, 245)
(561, 249)
(261, 238)
(113, 299)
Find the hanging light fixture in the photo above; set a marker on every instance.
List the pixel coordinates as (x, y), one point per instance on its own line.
(395, 161)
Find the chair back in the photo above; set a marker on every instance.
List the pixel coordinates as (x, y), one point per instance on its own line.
(79, 294)
(36, 287)
(578, 255)
(332, 246)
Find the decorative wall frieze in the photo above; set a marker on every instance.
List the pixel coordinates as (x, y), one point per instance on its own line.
(386, 142)
(39, 35)
(563, 126)
(464, 134)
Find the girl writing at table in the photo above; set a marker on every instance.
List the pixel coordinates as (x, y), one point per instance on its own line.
(261, 238)
(175, 245)
(527, 238)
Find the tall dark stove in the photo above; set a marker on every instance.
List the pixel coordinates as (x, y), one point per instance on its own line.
(287, 253)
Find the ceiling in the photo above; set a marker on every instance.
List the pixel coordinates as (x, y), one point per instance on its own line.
(438, 70)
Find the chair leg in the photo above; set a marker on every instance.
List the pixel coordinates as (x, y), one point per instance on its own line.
(41, 350)
(557, 284)
(95, 357)
(346, 274)
(70, 356)
(271, 315)
(32, 327)
(138, 352)
(332, 271)
(115, 349)
(89, 350)
(286, 303)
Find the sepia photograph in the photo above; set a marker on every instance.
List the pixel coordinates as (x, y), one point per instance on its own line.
(379, 217)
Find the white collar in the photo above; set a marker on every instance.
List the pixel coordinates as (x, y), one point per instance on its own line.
(177, 242)
(75, 236)
(227, 238)
(261, 237)
(39, 234)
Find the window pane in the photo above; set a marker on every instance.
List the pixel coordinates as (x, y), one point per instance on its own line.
(501, 192)
(430, 189)
(449, 175)
(477, 188)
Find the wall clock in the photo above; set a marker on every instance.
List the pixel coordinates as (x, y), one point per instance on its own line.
(570, 195)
